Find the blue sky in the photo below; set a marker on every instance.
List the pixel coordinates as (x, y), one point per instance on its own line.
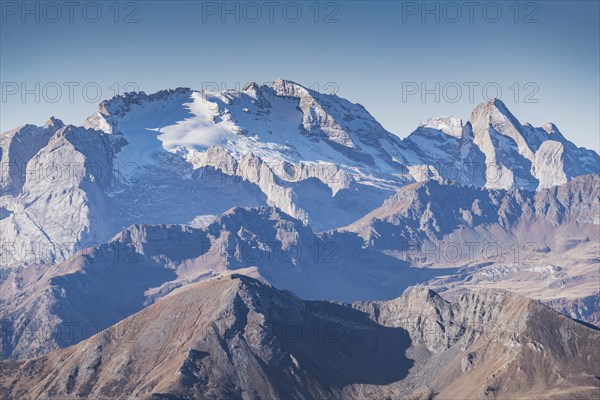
(543, 56)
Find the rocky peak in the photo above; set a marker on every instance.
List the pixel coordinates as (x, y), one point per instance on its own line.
(171, 242)
(253, 90)
(119, 105)
(492, 109)
(54, 123)
(288, 88)
(550, 128)
(451, 126)
(18, 147)
(494, 113)
(263, 223)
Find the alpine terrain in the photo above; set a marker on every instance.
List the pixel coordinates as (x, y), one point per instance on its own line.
(277, 242)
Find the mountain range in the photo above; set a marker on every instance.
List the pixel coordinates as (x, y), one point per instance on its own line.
(187, 212)
(316, 157)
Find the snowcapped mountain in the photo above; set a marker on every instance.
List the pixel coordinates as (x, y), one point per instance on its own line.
(178, 156)
(294, 144)
(494, 150)
(298, 134)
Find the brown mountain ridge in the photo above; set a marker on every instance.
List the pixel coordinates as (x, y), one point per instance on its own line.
(235, 337)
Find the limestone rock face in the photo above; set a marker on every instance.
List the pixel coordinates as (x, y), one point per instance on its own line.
(523, 156)
(17, 148)
(549, 164)
(63, 202)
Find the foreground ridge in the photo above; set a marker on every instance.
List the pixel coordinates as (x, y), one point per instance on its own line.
(233, 335)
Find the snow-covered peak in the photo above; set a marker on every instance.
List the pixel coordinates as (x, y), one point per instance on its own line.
(252, 89)
(288, 122)
(449, 125)
(317, 157)
(289, 88)
(285, 122)
(121, 104)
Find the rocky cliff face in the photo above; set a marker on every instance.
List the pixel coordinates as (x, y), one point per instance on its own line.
(490, 344)
(62, 201)
(523, 156)
(17, 148)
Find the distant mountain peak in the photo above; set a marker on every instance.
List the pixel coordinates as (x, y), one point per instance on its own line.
(551, 128)
(450, 125)
(54, 123)
(251, 86)
(492, 110)
(121, 104)
(289, 88)
(495, 103)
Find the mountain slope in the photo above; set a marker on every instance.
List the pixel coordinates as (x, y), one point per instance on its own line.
(510, 346)
(220, 339)
(431, 211)
(103, 284)
(541, 244)
(233, 336)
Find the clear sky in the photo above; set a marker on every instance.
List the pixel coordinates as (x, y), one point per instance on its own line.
(542, 55)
